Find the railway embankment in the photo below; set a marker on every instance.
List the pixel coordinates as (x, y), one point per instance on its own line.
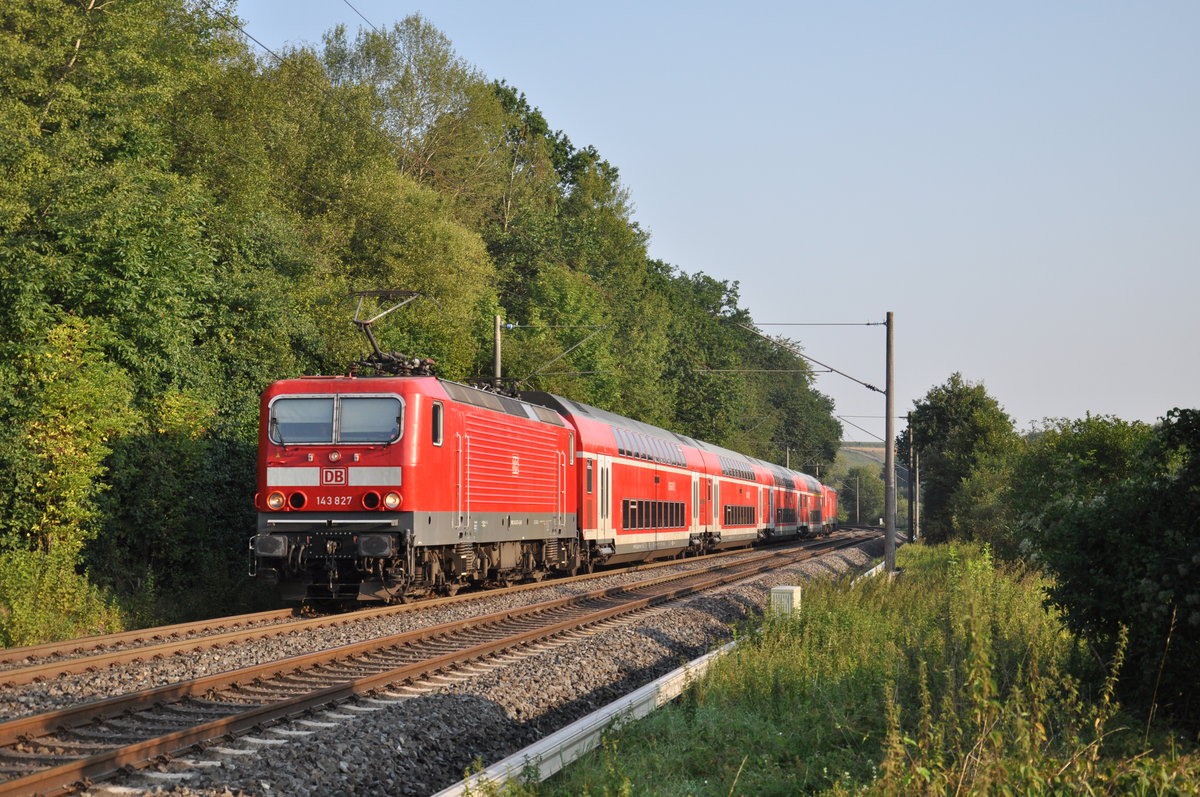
(952, 678)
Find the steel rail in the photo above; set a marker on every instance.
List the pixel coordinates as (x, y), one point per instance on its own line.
(65, 719)
(89, 643)
(96, 657)
(67, 775)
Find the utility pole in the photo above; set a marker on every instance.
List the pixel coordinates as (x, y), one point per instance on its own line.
(857, 517)
(912, 481)
(889, 465)
(496, 362)
(916, 532)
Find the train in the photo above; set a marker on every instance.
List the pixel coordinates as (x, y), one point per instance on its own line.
(394, 487)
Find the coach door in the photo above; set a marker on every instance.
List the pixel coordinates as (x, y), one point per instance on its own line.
(604, 499)
(712, 498)
(694, 527)
(591, 487)
(560, 490)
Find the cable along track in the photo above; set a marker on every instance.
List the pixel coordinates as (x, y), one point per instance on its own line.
(60, 750)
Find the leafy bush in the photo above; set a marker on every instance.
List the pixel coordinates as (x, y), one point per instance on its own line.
(1124, 548)
(67, 402)
(43, 598)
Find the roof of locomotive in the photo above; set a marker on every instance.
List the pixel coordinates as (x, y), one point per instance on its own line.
(488, 399)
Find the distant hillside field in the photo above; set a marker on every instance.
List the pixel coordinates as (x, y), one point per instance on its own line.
(854, 455)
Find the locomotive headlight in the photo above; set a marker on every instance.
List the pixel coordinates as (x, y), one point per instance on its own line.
(392, 500)
(334, 456)
(275, 501)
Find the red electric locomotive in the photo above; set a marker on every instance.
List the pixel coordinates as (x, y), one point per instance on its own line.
(380, 487)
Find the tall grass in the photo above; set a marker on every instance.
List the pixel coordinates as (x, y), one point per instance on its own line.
(952, 679)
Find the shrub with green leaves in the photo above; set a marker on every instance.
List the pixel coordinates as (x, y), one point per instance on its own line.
(67, 403)
(1123, 543)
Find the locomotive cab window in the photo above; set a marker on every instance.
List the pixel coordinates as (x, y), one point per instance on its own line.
(369, 420)
(302, 420)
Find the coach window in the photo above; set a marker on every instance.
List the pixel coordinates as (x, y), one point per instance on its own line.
(589, 477)
(437, 422)
(369, 419)
(604, 478)
(302, 420)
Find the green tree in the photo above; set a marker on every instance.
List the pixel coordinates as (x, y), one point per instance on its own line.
(960, 432)
(105, 275)
(860, 495)
(445, 119)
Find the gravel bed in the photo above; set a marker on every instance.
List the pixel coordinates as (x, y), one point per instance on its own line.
(69, 690)
(422, 744)
(149, 638)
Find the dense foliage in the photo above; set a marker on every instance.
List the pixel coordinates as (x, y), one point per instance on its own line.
(1107, 507)
(183, 220)
(1123, 540)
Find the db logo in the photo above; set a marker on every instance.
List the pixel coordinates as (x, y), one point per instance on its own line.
(333, 477)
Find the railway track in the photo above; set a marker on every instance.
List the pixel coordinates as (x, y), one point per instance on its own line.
(59, 750)
(36, 663)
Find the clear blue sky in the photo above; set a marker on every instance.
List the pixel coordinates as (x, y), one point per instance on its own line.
(1019, 182)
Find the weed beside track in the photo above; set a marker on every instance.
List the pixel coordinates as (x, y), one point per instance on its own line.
(950, 679)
